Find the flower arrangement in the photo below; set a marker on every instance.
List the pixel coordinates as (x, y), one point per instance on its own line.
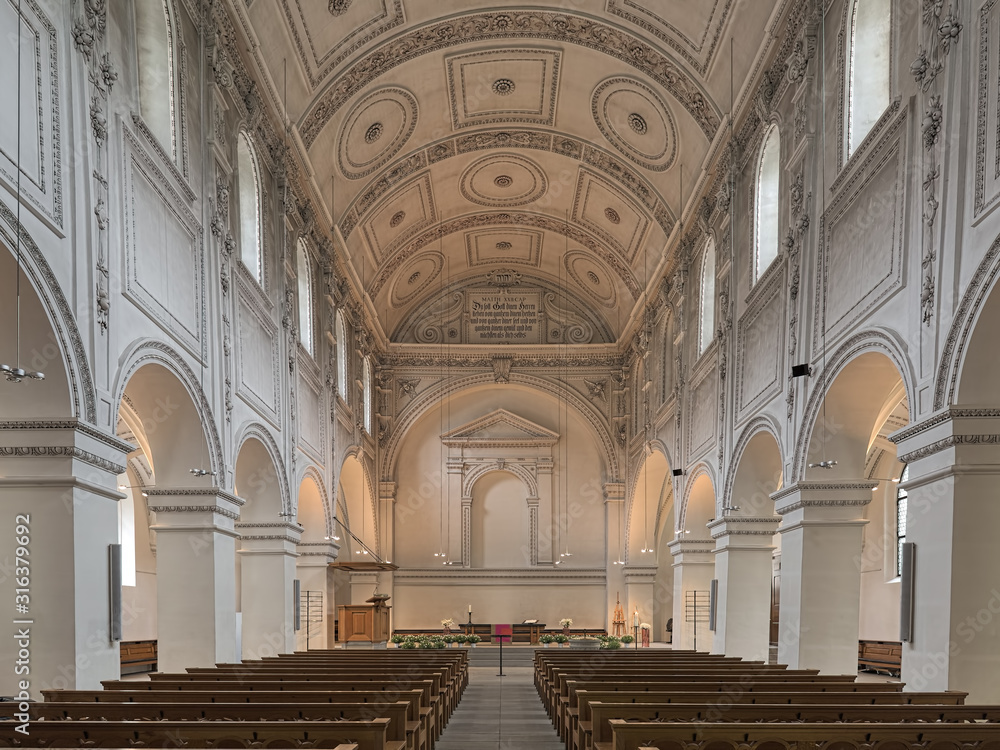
(566, 622)
(627, 639)
(397, 638)
(562, 638)
(547, 639)
(611, 643)
(473, 639)
(448, 623)
(645, 626)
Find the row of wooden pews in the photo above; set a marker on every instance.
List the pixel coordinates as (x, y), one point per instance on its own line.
(684, 700)
(343, 699)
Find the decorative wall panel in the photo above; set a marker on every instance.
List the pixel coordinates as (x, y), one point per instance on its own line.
(759, 347)
(701, 429)
(987, 190)
(257, 347)
(311, 415)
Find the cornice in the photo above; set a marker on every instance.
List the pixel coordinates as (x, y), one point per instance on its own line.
(62, 451)
(68, 424)
(940, 418)
(949, 442)
(194, 509)
(814, 486)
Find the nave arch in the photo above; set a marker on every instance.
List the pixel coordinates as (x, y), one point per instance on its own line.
(693, 561)
(316, 551)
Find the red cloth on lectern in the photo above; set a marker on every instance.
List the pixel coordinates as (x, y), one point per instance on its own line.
(505, 631)
(645, 637)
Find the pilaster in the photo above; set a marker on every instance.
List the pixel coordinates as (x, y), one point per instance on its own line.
(693, 570)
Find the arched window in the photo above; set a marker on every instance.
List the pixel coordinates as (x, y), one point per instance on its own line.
(341, 356)
(706, 322)
(366, 392)
(307, 313)
(250, 230)
(901, 500)
(867, 78)
(155, 31)
(766, 203)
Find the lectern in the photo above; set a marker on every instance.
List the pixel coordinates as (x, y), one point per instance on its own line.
(368, 623)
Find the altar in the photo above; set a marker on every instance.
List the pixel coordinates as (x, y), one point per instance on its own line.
(526, 632)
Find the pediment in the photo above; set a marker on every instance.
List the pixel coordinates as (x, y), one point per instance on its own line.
(500, 428)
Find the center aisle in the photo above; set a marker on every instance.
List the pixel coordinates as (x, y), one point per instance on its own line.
(502, 713)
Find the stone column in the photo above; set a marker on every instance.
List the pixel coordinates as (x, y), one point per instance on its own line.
(821, 534)
(694, 566)
(455, 510)
(466, 532)
(312, 567)
(268, 554)
(59, 502)
(533, 514)
(953, 515)
(386, 580)
(743, 548)
(614, 504)
(195, 576)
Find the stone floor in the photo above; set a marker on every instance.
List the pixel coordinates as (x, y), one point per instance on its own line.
(501, 713)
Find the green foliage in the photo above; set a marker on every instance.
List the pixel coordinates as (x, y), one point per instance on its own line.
(397, 638)
(547, 638)
(472, 638)
(562, 638)
(627, 638)
(610, 643)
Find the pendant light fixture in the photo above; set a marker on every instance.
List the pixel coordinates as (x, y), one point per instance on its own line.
(16, 373)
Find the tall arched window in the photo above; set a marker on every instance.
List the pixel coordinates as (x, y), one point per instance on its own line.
(901, 499)
(307, 313)
(366, 392)
(155, 31)
(250, 214)
(766, 203)
(341, 356)
(867, 78)
(706, 322)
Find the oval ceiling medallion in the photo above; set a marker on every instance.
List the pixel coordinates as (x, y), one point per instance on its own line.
(504, 245)
(636, 121)
(592, 277)
(503, 180)
(414, 277)
(611, 215)
(397, 219)
(377, 128)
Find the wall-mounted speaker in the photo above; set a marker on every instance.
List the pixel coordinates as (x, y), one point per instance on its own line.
(713, 603)
(296, 597)
(907, 557)
(677, 472)
(801, 371)
(115, 591)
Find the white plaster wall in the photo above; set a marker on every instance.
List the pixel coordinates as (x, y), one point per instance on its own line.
(879, 585)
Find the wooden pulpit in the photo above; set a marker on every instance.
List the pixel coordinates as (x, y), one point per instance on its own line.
(367, 623)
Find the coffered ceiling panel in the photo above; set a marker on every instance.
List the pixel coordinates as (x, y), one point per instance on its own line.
(379, 126)
(503, 180)
(610, 214)
(635, 120)
(519, 246)
(406, 211)
(503, 85)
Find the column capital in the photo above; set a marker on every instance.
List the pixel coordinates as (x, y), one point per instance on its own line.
(835, 500)
(744, 531)
(614, 492)
(28, 447)
(194, 509)
(691, 550)
(973, 431)
(317, 553)
(277, 538)
(387, 490)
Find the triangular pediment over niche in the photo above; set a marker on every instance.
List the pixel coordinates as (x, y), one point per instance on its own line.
(500, 428)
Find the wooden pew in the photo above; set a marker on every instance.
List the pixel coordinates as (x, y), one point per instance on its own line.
(413, 698)
(885, 656)
(399, 728)
(757, 736)
(137, 656)
(597, 731)
(366, 735)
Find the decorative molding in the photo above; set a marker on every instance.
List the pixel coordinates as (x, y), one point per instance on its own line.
(564, 27)
(639, 125)
(407, 105)
(63, 451)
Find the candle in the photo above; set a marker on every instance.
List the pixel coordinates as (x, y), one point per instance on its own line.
(635, 618)
(470, 609)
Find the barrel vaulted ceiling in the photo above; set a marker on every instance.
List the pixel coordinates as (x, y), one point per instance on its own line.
(463, 146)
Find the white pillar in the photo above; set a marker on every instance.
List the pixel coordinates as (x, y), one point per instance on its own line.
(195, 576)
(267, 566)
(953, 515)
(821, 534)
(58, 494)
(547, 517)
(614, 503)
(743, 567)
(694, 566)
(312, 568)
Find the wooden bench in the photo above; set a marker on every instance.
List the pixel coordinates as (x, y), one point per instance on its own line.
(399, 728)
(366, 735)
(757, 736)
(880, 656)
(137, 656)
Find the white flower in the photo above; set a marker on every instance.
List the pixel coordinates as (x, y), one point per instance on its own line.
(645, 626)
(566, 622)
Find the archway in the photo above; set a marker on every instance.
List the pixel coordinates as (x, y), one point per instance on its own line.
(460, 449)
(693, 553)
(316, 551)
(648, 571)
(746, 567)
(500, 536)
(823, 514)
(60, 476)
(265, 563)
(191, 517)
(358, 532)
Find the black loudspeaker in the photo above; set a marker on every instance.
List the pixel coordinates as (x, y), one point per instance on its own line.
(801, 371)
(115, 590)
(713, 603)
(677, 472)
(906, 558)
(296, 597)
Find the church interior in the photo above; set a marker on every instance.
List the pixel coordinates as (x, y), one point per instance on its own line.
(325, 324)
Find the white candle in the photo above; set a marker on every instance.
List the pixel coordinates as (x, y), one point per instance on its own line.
(635, 618)
(470, 609)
